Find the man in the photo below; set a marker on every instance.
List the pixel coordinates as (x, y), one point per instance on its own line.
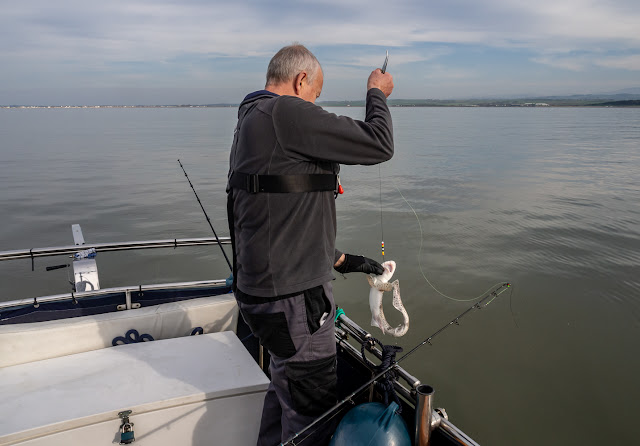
(281, 207)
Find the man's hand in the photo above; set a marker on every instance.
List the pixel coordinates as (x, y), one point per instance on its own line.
(359, 264)
(383, 81)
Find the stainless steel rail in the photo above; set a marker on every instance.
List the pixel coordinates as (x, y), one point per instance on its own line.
(341, 339)
(361, 335)
(103, 291)
(354, 328)
(456, 434)
(105, 247)
(424, 415)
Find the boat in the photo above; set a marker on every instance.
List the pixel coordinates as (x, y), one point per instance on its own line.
(164, 364)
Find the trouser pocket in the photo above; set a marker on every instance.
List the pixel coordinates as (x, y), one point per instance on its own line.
(312, 385)
(316, 304)
(273, 331)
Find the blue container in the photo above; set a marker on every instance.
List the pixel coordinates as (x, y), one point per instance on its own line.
(372, 424)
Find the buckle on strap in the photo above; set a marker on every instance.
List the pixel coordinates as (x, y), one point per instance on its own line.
(253, 183)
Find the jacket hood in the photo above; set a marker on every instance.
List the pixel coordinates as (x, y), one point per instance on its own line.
(252, 98)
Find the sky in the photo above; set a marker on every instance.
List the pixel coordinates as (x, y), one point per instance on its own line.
(159, 52)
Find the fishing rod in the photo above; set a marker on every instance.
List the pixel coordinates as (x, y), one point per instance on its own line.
(384, 70)
(455, 321)
(208, 219)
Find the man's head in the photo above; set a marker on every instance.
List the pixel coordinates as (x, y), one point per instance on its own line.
(295, 71)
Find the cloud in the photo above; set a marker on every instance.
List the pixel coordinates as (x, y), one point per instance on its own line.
(631, 63)
(146, 29)
(375, 57)
(191, 43)
(564, 62)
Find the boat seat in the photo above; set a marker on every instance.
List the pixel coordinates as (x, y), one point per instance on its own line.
(23, 343)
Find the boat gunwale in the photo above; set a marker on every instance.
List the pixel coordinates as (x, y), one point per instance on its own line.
(122, 289)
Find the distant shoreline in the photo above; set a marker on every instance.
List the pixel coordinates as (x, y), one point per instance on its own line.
(392, 103)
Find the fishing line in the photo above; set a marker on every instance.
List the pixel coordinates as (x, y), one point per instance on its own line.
(381, 226)
(420, 260)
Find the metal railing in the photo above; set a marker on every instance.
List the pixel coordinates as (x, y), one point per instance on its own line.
(360, 335)
(106, 247)
(122, 289)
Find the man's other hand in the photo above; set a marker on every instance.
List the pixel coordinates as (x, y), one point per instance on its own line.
(383, 81)
(359, 264)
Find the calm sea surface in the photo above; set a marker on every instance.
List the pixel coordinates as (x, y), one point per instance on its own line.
(545, 198)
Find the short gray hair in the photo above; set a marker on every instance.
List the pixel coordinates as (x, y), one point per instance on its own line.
(289, 62)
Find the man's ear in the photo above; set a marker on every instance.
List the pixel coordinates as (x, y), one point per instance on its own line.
(299, 79)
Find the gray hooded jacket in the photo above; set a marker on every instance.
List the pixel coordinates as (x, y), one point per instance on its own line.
(284, 242)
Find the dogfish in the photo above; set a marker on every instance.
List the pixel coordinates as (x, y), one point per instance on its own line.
(380, 284)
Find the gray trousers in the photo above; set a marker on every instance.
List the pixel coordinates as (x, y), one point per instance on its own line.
(303, 362)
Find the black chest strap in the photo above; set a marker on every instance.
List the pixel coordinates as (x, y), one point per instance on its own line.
(253, 183)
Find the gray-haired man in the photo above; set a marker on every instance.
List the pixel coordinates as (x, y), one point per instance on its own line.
(283, 174)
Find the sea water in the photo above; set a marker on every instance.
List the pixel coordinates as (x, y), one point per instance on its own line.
(547, 199)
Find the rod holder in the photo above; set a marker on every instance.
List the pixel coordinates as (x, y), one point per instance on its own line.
(424, 414)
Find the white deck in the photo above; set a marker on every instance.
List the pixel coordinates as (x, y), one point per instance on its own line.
(192, 390)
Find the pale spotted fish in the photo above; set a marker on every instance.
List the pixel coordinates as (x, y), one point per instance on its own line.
(380, 284)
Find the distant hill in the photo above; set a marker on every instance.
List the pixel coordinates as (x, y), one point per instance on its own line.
(634, 103)
(627, 97)
(623, 98)
(597, 97)
(527, 102)
(634, 90)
